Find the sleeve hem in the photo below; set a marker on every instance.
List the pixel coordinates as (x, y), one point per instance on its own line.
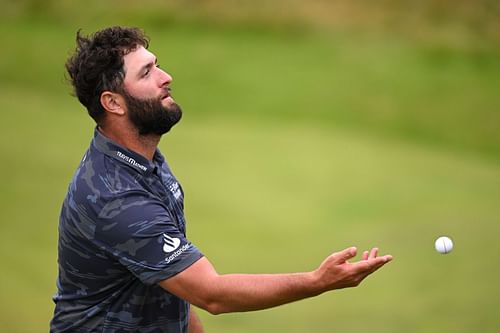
(169, 272)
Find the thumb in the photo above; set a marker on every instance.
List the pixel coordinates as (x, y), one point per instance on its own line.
(344, 255)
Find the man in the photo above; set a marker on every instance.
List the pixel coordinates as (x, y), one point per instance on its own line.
(125, 263)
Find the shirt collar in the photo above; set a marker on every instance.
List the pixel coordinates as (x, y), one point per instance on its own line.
(122, 154)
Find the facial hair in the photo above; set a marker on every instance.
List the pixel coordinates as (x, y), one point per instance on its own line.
(150, 117)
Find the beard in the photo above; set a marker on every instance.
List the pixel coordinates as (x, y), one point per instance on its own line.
(149, 116)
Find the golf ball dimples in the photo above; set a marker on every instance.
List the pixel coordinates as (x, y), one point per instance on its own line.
(443, 245)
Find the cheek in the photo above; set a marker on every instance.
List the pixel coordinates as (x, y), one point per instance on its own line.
(140, 89)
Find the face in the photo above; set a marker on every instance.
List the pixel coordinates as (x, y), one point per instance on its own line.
(150, 106)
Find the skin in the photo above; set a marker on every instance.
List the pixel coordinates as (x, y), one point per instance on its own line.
(144, 79)
(200, 284)
(195, 325)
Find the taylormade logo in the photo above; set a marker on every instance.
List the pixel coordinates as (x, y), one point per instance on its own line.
(130, 161)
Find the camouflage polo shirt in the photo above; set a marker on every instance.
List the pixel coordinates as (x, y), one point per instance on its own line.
(121, 231)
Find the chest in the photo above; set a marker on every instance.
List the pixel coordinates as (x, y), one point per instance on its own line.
(164, 186)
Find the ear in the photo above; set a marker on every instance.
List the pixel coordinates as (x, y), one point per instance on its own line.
(113, 103)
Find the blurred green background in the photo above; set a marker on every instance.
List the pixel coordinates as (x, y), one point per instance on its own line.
(309, 126)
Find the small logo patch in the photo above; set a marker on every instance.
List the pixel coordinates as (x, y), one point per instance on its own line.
(171, 243)
(131, 161)
(175, 189)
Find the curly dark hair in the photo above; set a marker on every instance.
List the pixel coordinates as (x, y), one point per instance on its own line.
(97, 64)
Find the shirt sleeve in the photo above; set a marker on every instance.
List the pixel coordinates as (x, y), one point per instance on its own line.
(144, 236)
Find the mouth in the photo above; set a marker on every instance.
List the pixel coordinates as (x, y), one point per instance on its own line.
(166, 94)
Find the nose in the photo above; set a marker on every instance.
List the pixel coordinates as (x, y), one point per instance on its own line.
(164, 77)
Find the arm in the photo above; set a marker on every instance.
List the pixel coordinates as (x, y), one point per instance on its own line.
(202, 286)
(194, 325)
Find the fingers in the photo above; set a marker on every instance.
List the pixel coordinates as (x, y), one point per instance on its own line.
(344, 255)
(370, 254)
(378, 263)
(369, 265)
(365, 255)
(371, 261)
(373, 253)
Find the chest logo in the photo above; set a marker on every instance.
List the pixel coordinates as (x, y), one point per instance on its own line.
(175, 189)
(171, 243)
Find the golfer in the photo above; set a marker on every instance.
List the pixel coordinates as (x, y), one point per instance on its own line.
(125, 261)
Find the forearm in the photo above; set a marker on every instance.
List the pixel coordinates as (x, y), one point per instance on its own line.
(202, 286)
(247, 292)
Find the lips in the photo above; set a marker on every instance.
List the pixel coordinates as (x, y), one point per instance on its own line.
(166, 94)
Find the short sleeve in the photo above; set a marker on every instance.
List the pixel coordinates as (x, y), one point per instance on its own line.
(139, 231)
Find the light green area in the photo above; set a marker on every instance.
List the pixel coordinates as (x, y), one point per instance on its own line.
(291, 147)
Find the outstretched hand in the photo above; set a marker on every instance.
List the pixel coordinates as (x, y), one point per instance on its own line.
(336, 272)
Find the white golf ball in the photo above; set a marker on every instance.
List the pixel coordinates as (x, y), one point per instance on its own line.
(443, 245)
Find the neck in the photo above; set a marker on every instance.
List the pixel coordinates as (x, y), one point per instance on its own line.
(129, 138)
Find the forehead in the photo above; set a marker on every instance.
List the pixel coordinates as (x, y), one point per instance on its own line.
(134, 62)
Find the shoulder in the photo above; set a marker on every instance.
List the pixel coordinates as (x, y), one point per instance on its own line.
(101, 183)
(101, 174)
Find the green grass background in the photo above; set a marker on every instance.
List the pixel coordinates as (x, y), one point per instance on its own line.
(302, 134)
